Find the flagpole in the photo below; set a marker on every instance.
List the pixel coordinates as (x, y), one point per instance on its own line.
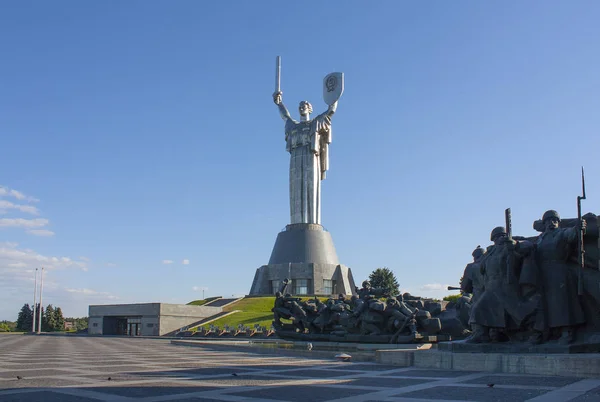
(39, 330)
(34, 299)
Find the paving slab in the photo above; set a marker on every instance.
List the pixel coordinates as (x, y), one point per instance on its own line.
(154, 370)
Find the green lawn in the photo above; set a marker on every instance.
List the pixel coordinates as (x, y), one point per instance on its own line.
(250, 311)
(201, 302)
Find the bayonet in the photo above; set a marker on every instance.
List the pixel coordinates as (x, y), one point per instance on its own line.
(509, 238)
(581, 249)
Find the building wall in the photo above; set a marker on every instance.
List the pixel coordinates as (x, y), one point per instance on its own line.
(315, 273)
(157, 319)
(176, 316)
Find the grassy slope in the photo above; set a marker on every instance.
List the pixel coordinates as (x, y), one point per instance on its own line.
(201, 302)
(252, 310)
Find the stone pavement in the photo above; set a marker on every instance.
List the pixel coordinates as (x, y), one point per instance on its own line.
(86, 369)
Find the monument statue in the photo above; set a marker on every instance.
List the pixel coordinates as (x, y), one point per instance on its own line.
(308, 141)
(304, 252)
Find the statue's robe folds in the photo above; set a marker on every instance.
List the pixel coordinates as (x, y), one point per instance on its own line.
(307, 142)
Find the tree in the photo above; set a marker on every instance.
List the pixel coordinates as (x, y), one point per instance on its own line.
(452, 298)
(7, 326)
(25, 318)
(59, 320)
(384, 278)
(79, 323)
(48, 322)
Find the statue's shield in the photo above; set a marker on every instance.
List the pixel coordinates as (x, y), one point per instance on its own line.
(333, 87)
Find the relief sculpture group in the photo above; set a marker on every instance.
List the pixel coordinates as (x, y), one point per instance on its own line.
(535, 290)
(526, 290)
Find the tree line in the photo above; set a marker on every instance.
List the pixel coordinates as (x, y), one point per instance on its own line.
(52, 318)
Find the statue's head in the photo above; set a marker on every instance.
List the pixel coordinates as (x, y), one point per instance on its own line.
(305, 108)
(341, 297)
(551, 220)
(498, 234)
(366, 284)
(478, 253)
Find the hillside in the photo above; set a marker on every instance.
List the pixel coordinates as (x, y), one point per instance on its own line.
(248, 311)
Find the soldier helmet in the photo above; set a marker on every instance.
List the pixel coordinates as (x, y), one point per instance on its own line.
(366, 284)
(496, 232)
(342, 296)
(478, 252)
(550, 214)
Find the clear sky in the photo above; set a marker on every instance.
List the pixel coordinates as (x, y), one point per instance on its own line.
(143, 159)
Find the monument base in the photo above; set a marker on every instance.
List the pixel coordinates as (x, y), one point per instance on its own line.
(304, 253)
(550, 347)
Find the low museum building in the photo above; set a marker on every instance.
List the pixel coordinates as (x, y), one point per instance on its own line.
(145, 319)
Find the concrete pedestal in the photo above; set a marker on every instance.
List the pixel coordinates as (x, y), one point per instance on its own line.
(305, 254)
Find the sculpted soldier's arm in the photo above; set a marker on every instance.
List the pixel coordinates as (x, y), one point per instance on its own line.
(523, 248)
(571, 235)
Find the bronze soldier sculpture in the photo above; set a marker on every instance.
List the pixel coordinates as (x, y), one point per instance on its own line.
(498, 310)
(561, 308)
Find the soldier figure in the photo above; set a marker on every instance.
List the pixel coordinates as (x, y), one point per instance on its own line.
(556, 282)
(279, 310)
(498, 308)
(471, 283)
(472, 279)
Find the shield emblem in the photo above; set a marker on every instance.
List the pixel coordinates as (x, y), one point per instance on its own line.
(333, 87)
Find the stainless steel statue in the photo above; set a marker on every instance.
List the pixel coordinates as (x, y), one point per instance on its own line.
(308, 141)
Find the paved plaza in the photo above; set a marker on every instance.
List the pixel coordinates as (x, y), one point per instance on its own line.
(86, 369)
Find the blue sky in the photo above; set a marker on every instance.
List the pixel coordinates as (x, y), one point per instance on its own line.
(135, 132)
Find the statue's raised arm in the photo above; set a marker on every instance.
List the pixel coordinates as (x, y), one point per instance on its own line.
(285, 114)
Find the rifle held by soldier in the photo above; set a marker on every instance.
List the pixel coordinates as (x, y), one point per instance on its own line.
(581, 250)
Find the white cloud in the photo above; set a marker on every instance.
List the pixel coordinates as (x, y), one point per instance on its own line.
(90, 292)
(185, 262)
(111, 264)
(30, 209)
(25, 223)
(11, 256)
(17, 271)
(199, 288)
(433, 286)
(41, 232)
(167, 261)
(84, 259)
(7, 192)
